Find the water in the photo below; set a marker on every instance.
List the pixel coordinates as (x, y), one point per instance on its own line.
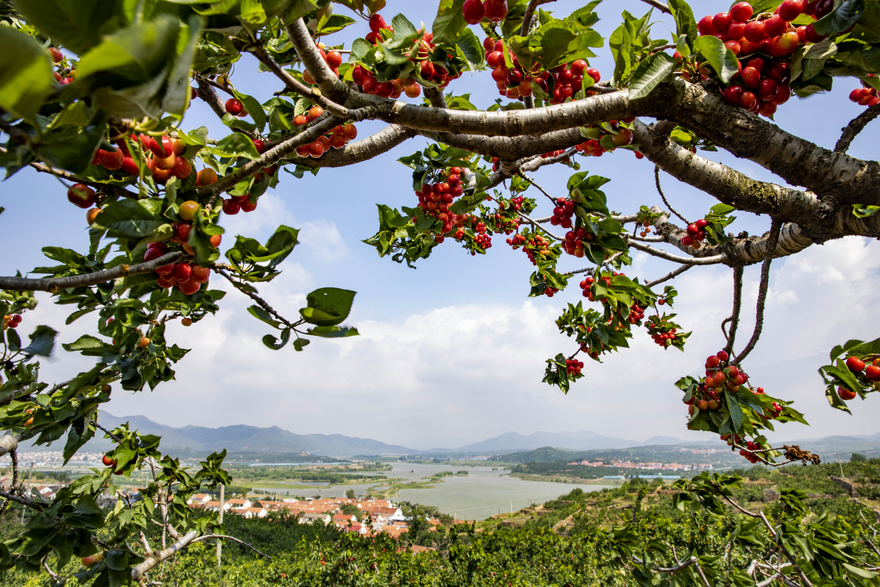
(291, 464)
(477, 496)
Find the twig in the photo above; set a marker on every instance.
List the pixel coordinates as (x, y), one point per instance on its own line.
(88, 279)
(21, 500)
(663, 196)
(107, 432)
(540, 189)
(737, 306)
(775, 227)
(856, 125)
(715, 260)
(226, 89)
(55, 577)
(295, 86)
(669, 276)
(538, 226)
(592, 270)
(260, 301)
(242, 542)
(658, 5)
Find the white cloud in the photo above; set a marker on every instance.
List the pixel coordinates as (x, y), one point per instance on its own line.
(322, 238)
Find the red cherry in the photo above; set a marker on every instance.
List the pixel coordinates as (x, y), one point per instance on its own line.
(733, 94)
(855, 364)
(81, 195)
(377, 23)
(755, 31)
(872, 373)
(496, 10)
(791, 9)
(234, 106)
(846, 394)
(55, 54)
(706, 26)
(473, 11)
(741, 12)
(721, 21)
(231, 207)
(774, 26)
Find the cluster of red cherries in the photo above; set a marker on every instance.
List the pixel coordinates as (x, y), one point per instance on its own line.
(576, 240)
(696, 234)
(11, 321)
(636, 314)
(662, 332)
(587, 285)
(337, 138)
(764, 45)
(868, 374)
(535, 246)
(516, 83)
(474, 11)
(436, 198)
(573, 366)
(865, 96)
(68, 74)
(187, 277)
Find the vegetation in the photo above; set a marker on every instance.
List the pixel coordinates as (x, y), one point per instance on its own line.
(95, 93)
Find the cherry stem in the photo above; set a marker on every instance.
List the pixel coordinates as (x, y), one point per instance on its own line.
(663, 196)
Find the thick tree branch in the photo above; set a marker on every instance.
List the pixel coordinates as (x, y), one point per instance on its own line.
(8, 443)
(88, 279)
(353, 153)
(762, 291)
(725, 184)
(856, 125)
(833, 176)
(302, 41)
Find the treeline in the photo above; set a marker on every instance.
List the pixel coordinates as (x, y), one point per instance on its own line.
(615, 537)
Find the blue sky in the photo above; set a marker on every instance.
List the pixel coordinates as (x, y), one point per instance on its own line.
(453, 352)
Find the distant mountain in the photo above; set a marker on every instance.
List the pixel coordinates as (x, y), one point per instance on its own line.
(582, 440)
(249, 439)
(658, 440)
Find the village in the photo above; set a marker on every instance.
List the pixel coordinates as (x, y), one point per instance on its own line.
(644, 466)
(374, 515)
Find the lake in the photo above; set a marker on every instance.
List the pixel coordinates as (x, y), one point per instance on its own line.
(477, 496)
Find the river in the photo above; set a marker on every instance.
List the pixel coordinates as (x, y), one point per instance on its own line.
(477, 496)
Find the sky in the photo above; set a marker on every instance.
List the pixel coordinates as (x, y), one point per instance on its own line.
(453, 352)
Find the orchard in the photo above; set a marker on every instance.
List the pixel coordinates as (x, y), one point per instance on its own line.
(96, 93)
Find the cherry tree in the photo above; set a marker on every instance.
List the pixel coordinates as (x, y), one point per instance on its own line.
(95, 93)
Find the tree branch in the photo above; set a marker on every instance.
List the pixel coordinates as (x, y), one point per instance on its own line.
(714, 260)
(856, 125)
(658, 5)
(88, 279)
(294, 85)
(762, 291)
(154, 559)
(669, 276)
(737, 306)
(302, 42)
(354, 153)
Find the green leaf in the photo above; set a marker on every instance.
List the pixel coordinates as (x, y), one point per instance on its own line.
(178, 92)
(449, 21)
(72, 148)
(685, 22)
(131, 56)
(300, 343)
(843, 16)
(25, 74)
(132, 218)
(555, 40)
(261, 314)
(236, 145)
(735, 410)
(720, 58)
(273, 343)
(328, 306)
(333, 332)
(649, 74)
(42, 341)
(76, 24)
(84, 342)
